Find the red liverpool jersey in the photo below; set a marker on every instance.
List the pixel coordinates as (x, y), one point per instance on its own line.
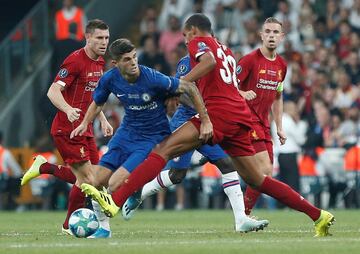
(219, 87)
(264, 77)
(79, 75)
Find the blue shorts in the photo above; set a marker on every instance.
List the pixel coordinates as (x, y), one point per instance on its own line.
(128, 149)
(213, 153)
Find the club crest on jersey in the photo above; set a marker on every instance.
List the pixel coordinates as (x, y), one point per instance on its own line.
(254, 135)
(279, 73)
(202, 46)
(63, 73)
(182, 68)
(82, 152)
(238, 69)
(146, 97)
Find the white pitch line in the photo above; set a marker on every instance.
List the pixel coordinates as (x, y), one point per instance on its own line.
(164, 243)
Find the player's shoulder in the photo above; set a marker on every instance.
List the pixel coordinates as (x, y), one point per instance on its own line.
(147, 71)
(183, 66)
(250, 57)
(185, 59)
(281, 60)
(109, 74)
(74, 56)
(148, 74)
(201, 42)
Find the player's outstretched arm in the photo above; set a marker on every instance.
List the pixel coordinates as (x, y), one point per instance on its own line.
(57, 99)
(90, 115)
(189, 88)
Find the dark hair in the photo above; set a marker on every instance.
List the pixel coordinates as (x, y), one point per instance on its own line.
(95, 24)
(272, 20)
(200, 21)
(120, 47)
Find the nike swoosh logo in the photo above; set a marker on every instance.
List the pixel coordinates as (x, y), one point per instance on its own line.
(120, 95)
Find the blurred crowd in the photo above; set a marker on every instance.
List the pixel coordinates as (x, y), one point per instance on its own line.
(321, 89)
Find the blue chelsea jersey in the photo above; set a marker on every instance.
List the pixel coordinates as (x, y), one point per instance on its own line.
(143, 100)
(183, 112)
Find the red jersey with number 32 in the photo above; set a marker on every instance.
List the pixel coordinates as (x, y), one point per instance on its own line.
(219, 87)
(264, 77)
(79, 75)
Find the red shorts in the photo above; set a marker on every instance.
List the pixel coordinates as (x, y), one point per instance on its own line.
(233, 137)
(261, 139)
(77, 149)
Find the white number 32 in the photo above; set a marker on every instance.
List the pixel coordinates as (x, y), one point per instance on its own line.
(228, 74)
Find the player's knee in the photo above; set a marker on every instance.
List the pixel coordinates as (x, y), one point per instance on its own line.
(113, 185)
(176, 176)
(225, 165)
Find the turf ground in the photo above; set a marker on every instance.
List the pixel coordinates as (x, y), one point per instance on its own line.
(183, 232)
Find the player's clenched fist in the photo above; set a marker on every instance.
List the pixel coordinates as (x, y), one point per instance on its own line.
(73, 114)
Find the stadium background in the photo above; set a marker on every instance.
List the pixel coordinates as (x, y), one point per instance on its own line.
(322, 48)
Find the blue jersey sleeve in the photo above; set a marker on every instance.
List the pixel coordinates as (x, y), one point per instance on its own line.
(183, 67)
(166, 83)
(101, 93)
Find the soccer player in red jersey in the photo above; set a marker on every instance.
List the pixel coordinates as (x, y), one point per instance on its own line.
(260, 75)
(214, 69)
(71, 92)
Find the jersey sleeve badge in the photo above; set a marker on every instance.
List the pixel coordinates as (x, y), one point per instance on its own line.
(202, 46)
(182, 69)
(238, 69)
(63, 73)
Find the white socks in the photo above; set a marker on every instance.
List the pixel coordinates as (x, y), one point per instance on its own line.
(232, 189)
(160, 182)
(104, 221)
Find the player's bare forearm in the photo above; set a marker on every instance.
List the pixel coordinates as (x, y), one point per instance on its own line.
(184, 99)
(277, 111)
(102, 117)
(92, 112)
(206, 64)
(57, 99)
(193, 93)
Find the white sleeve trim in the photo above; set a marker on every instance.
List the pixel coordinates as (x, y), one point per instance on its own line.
(61, 83)
(197, 55)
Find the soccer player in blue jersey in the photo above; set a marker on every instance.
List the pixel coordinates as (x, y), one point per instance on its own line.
(143, 92)
(179, 166)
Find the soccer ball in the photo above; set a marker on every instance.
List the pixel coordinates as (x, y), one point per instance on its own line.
(83, 223)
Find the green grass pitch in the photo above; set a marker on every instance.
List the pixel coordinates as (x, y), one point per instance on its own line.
(192, 231)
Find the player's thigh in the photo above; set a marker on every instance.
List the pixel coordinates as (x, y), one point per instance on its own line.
(264, 162)
(75, 150)
(184, 139)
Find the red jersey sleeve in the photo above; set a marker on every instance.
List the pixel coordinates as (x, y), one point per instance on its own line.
(197, 48)
(69, 71)
(243, 68)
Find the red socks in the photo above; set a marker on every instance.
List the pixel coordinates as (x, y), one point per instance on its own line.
(62, 172)
(143, 174)
(250, 198)
(76, 201)
(285, 194)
